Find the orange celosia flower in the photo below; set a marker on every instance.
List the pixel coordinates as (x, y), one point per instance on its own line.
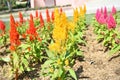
(52, 15)
(2, 26)
(12, 21)
(21, 17)
(14, 35)
(47, 15)
(12, 48)
(31, 16)
(32, 30)
(23, 35)
(41, 20)
(36, 13)
(39, 39)
(61, 10)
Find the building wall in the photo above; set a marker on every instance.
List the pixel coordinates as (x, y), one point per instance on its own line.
(37, 3)
(48, 3)
(63, 2)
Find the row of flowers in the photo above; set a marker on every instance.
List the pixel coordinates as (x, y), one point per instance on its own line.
(53, 43)
(106, 27)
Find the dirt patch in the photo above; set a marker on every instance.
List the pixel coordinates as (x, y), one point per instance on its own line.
(97, 64)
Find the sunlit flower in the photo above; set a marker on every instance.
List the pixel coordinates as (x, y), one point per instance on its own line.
(36, 14)
(61, 10)
(21, 17)
(75, 15)
(114, 10)
(32, 30)
(2, 26)
(102, 19)
(111, 23)
(47, 15)
(105, 12)
(55, 47)
(41, 20)
(31, 16)
(66, 62)
(84, 9)
(14, 35)
(58, 61)
(101, 10)
(52, 15)
(98, 14)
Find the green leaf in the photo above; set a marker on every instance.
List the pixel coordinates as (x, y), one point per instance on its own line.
(114, 49)
(48, 62)
(50, 54)
(60, 72)
(79, 53)
(6, 59)
(72, 73)
(24, 46)
(15, 60)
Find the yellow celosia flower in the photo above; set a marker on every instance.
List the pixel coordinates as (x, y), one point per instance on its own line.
(56, 17)
(81, 14)
(59, 34)
(66, 62)
(63, 19)
(71, 26)
(54, 47)
(51, 70)
(84, 8)
(58, 61)
(75, 15)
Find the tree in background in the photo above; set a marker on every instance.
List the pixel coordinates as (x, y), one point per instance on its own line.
(9, 5)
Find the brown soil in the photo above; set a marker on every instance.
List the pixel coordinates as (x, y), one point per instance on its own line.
(97, 64)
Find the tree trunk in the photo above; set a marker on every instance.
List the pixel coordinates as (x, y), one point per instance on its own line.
(9, 5)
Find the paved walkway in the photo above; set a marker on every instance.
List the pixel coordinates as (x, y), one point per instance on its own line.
(91, 5)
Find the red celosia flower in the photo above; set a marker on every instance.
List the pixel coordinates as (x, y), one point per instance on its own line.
(41, 20)
(21, 17)
(39, 39)
(61, 10)
(23, 35)
(12, 48)
(29, 48)
(14, 36)
(31, 16)
(52, 16)
(47, 15)
(2, 26)
(32, 30)
(114, 10)
(12, 21)
(111, 23)
(36, 13)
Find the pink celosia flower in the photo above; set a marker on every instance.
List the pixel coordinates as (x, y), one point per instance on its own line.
(98, 14)
(101, 19)
(101, 10)
(114, 10)
(111, 23)
(105, 12)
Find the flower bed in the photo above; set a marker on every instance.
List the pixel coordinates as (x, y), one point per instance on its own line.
(55, 44)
